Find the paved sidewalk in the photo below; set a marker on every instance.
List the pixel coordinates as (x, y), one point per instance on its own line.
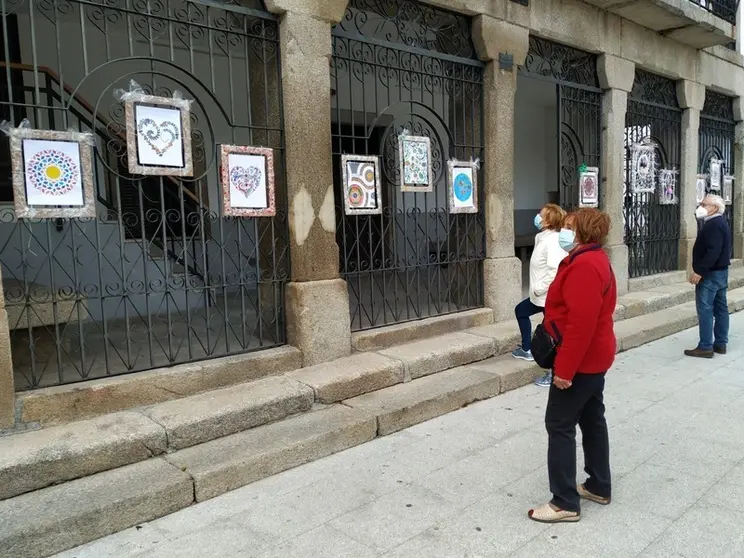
(460, 485)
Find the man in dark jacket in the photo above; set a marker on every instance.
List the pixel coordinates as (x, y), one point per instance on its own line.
(711, 257)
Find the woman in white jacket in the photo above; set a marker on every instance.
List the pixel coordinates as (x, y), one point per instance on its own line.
(546, 257)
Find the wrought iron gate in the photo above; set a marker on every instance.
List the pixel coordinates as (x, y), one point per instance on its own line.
(652, 229)
(717, 139)
(403, 65)
(160, 277)
(578, 109)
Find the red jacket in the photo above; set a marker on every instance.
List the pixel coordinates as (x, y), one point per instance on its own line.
(580, 304)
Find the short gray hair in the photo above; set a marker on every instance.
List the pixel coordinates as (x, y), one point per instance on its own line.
(717, 200)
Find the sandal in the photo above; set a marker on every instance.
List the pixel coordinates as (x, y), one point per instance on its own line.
(586, 495)
(549, 514)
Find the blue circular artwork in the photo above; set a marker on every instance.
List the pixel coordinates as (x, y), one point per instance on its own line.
(463, 187)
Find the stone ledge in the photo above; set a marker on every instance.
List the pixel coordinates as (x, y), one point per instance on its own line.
(37, 459)
(401, 406)
(237, 460)
(398, 334)
(514, 373)
(201, 418)
(645, 283)
(350, 376)
(54, 519)
(62, 404)
(433, 355)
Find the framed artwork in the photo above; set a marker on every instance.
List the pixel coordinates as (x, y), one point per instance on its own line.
(247, 181)
(362, 193)
(52, 173)
(728, 189)
(643, 168)
(462, 186)
(701, 186)
(715, 174)
(415, 163)
(668, 187)
(589, 187)
(158, 136)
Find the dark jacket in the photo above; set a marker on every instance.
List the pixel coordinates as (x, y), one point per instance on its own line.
(712, 250)
(580, 305)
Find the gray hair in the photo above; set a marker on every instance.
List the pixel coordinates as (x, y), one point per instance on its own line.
(717, 200)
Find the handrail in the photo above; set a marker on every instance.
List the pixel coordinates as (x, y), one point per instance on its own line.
(725, 9)
(87, 106)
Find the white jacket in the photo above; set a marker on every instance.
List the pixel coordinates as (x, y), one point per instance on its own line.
(544, 263)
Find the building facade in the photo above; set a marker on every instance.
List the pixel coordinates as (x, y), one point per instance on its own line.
(533, 93)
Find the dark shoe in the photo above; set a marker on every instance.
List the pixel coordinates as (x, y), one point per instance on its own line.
(699, 353)
(719, 349)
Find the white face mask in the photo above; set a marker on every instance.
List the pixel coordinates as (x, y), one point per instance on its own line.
(701, 212)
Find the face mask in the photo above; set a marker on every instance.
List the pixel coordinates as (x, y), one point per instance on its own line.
(701, 212)
(567, 239)
(538, 222)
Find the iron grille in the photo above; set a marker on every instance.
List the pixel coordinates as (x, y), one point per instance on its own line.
(725, 9)
(402, 65)
(651, 229)
(160, 277)
(717, 139)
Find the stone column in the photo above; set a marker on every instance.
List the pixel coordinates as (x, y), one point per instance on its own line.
(616, 78)
(691, 97)
(317, 300)
(738, 208)
(502, 270)
(7, 383)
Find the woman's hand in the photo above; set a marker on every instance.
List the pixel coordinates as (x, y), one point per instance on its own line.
(560, 383)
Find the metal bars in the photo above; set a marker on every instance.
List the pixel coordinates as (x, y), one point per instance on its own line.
(725, 9)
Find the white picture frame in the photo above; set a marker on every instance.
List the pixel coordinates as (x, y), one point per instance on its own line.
(643, 168)
(668, 187)
(727, 192)
(701, 187)
(462, 186)
(362, 185)
(715, 174)
(589, 187)
(416, 174)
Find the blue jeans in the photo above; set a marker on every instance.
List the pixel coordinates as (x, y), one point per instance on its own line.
(523, 311)
(712, 307)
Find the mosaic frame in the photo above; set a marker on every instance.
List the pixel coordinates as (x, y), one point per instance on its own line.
(701, 187)
(22, 209)
(429, 187)
(182, 105)
(375, 160)
(268, 154)
(668, 178)
(640, 184)
(453, 164)
(594, 201)
(715, 172)
(727, 192)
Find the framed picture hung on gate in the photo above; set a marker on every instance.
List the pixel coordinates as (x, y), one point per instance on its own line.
(462, 186)
(701, 186)
(715, 175)
(247, 176)
(52, 173)
(589, 187)
(728, 189)
(668, 187)
(158, 135)
(643, 168)
(415, 163)
(361, 179)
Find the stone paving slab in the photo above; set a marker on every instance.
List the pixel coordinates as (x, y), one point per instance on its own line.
(459, 485)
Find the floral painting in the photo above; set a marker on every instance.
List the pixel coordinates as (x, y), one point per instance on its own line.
(415, 163)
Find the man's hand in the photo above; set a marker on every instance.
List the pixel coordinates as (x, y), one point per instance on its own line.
(560, 383)
(695, 279)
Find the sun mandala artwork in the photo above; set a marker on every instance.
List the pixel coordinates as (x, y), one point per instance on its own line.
(52, 172)
(462, 186)
(361, 185)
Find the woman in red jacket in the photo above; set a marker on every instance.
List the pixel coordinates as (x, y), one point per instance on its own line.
(578, 311)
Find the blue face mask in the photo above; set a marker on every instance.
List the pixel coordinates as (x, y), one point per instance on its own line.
(567, 239)
(538, 222)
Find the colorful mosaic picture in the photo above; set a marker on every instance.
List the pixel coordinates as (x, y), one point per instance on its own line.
(701, 186)
(589, 187)
(361, 185)
(52, 175)
(728, 189)
(248, 181)
(715, 175)
(667, 187)
(643, 168)
(158, 136)
(463, 186)
(415, 164)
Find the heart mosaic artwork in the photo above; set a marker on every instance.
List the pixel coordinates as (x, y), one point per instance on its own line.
(246, 180)
(160, 137)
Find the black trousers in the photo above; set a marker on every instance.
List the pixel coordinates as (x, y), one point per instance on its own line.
(580, 404)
